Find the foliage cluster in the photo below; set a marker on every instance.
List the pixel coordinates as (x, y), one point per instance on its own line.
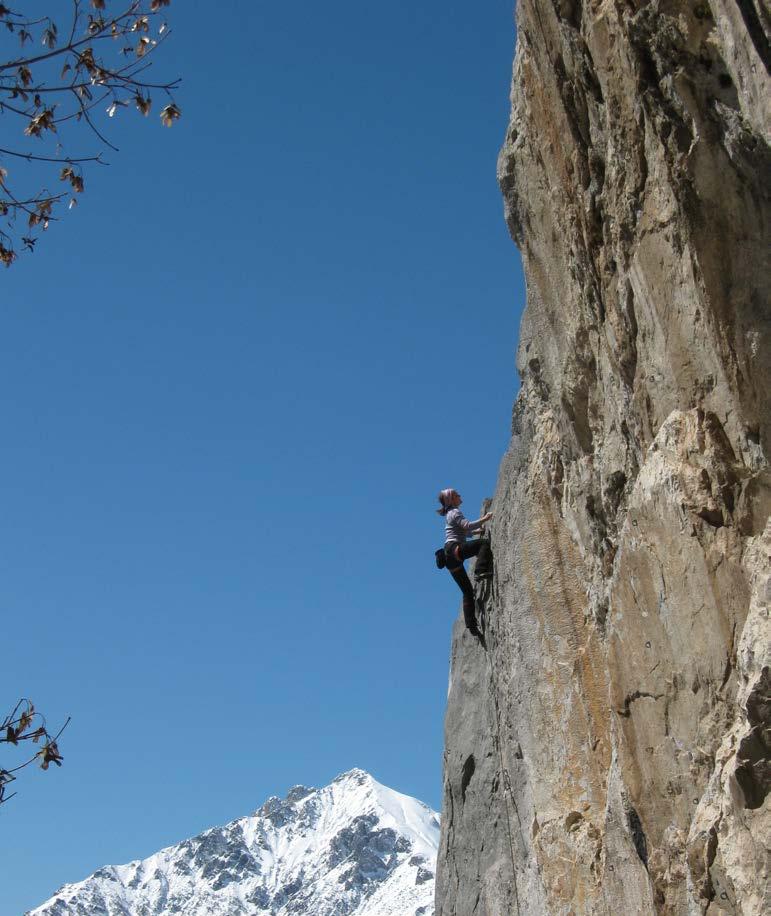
(26, 724)
(60, 74)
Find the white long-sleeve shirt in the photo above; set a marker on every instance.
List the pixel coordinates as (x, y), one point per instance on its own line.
(457, 526)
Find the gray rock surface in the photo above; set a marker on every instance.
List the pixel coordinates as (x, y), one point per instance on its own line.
(610, 750)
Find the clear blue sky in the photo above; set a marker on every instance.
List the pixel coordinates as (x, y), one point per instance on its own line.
(232, 382)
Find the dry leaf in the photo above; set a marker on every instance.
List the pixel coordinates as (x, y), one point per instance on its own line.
(170, 114)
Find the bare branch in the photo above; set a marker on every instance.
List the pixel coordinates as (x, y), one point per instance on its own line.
(18, 726)
(101, 32)
(31, 157)
(84, 109)
(94, 72)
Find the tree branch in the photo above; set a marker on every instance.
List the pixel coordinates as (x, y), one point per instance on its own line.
(91, 75)
(31, 157)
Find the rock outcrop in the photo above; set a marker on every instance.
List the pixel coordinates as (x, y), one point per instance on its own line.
(609, 750)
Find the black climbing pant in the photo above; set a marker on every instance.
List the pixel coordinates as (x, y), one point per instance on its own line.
(455, 555)
(483, 568)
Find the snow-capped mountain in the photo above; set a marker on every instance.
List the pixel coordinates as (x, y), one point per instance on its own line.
(353, 848)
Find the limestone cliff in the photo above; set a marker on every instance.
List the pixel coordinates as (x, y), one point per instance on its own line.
(608, 752)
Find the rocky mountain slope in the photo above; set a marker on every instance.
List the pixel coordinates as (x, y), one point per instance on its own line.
(353, 848)
(609, 751)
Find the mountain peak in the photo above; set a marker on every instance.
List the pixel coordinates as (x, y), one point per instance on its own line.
(355, 775)
(351, 848)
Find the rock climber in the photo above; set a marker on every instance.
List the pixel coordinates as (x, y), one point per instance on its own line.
(457, 549)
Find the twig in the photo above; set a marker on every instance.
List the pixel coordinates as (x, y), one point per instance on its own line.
(30, 157)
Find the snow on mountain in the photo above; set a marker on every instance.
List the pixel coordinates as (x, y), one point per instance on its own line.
(353, 848)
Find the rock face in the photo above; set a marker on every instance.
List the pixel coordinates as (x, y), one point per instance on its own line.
(609, 751)
(353, 848)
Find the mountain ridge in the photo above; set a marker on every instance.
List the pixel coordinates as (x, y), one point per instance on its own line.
(351, 848)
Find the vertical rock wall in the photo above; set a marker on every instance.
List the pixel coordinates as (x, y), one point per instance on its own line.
(608, 751)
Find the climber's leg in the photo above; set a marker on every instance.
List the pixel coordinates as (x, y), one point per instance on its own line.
(469, 603)
(451, 559)
(471, 548)
(479, 548)
(483, 568)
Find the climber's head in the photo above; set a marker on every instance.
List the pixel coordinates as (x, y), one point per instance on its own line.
(449, 499)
